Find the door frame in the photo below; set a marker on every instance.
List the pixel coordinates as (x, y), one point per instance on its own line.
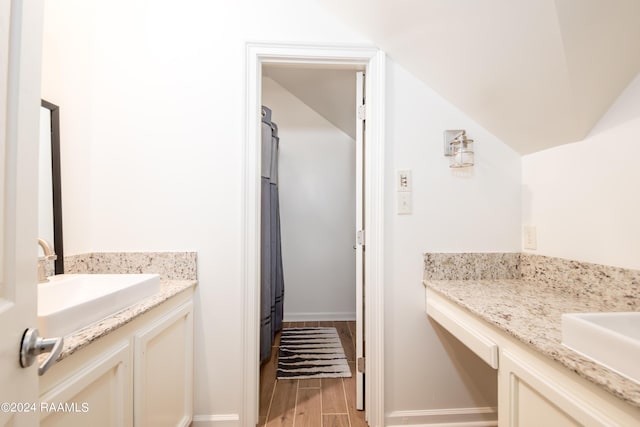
(373, 60)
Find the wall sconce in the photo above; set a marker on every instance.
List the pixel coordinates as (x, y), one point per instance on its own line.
(458, 148)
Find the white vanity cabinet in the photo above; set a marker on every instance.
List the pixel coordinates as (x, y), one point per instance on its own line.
(163, 370)
(95, 392)
(533, 395)
(140, 374)
(533, 390)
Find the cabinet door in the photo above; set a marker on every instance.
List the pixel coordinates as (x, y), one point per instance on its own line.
(96, 395)
(163, 370)
(529, 396)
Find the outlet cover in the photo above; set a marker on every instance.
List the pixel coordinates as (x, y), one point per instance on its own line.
(530, 237)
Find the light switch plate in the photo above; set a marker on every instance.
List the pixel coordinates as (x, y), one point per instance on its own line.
(404, 202)
(404, 180)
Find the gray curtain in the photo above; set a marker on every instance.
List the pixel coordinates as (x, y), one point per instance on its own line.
(271, 276)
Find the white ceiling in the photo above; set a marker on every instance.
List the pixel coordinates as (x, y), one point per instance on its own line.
(536, 73)
(330, 92)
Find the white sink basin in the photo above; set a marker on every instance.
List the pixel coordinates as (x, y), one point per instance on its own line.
(69, 302)
(610, 339)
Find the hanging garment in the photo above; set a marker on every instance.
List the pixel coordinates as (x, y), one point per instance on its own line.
(277, 281)
(271, 277)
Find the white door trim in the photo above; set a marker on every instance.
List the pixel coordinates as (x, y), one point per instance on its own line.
(374, 62)
(361, 114)
(20, 76)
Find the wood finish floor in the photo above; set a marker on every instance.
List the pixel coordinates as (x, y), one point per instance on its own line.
(323, 402)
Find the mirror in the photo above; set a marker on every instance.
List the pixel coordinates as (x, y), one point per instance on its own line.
(49, 185)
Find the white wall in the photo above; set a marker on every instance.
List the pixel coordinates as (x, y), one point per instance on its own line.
(453, 211)
(151, 98)
(317, 209)
(582, 197)
(68, 81)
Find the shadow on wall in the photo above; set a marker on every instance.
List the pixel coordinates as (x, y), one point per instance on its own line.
(527, 205)
(624, 109)
(479, 378)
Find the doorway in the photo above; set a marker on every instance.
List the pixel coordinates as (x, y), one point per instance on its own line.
(372, 60)
(313, 112)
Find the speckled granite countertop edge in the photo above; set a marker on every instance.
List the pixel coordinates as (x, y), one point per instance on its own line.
(83, 337)
(531, 313)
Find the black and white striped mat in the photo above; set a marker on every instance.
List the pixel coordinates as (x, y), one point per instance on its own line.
(311, 353)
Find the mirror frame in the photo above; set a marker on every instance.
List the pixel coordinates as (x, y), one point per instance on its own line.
(57, 185)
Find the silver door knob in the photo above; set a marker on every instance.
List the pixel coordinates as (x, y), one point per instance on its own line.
(33, 345)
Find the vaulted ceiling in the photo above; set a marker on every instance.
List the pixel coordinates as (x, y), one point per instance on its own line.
(330, 92)
(536, 73)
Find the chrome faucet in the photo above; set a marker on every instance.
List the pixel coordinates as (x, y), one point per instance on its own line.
(49, 255)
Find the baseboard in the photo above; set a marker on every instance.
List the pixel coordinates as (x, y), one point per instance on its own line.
(221, 420)
(322, 317)
(451, 417)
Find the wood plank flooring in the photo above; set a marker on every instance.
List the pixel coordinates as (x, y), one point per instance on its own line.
(325, 402)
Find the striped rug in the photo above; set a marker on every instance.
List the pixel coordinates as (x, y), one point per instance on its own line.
(311, 353)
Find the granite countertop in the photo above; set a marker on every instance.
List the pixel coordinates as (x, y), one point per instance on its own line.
(531, 312)
(85, 336)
